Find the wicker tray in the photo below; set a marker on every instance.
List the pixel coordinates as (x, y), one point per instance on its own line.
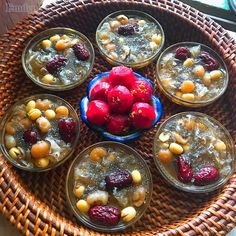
(36, 203)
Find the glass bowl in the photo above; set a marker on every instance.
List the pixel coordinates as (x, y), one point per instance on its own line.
(69, 74)
(138, 162)
(198, 83)
(200, 137)
(133, 134)
(26, 115)
(140, 57)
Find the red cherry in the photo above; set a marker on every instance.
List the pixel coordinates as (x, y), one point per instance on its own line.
(99, 91)
(142, 115)
(118, 124)
(122, 75)
(98, 112)
(141, 91)
(120, 99)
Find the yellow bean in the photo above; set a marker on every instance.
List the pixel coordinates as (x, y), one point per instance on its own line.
(26, 123)
(97, 154)
(42, 162)
(156, 38)
(62, 111)
(40, 149)
(136, 176)
(79, 191)
(187, 86)
(10, 128)
(46, 43)
(188, 96)
(122, 19)
(55, 38)
(141, 22)
(176, 148)
(216, 74)
(165, 156)
(114, 24)
(48, 79)
(199, 71)
(61, 45)
(34, 114)
(206, 79)
(15, 153)
(188, 62)
(42, 104)
(220, 145)
(43, 124)
(10, 141)
(30, 105)
(128, 213)
(83, 206)
(164, 136)
(64, 36)
(50, 114)
(139, 196)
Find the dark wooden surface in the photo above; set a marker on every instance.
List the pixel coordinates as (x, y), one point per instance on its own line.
(12, 11)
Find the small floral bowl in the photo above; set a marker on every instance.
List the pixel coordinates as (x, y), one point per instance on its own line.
(132, 135)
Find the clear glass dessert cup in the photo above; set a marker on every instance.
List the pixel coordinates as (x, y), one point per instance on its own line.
(179, 100)
(7, 117)
(131, 13)
(190, 187)
(71, 199)
(45, 35)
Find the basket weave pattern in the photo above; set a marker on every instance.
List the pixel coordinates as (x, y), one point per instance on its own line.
(36, 203)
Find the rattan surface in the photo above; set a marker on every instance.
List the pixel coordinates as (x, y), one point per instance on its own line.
(36, 203)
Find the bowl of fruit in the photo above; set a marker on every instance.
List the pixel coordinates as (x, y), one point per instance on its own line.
(120, 105)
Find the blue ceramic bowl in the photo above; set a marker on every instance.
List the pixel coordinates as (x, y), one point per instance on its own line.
(133, 135)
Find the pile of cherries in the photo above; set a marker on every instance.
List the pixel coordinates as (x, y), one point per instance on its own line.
(121, 102)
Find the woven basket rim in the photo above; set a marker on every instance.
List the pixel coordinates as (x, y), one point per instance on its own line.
(39, 210)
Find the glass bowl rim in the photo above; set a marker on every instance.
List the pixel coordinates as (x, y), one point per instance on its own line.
(180, 100)
(87, 221)
(6, 117)
(196, 189)
(135, 64)
(42, 35)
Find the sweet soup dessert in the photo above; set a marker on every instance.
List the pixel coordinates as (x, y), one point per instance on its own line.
(132, 38)
(112, 186)
(194, 151)
(59, 59)
(40, 132)
(120, 102)
(191, 74)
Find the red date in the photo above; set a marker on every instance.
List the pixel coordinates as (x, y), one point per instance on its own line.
(206, 175)
(118, 179)
(104, 215)
(185, 172)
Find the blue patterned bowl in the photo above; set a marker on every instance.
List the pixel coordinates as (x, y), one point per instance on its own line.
(134, 134)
